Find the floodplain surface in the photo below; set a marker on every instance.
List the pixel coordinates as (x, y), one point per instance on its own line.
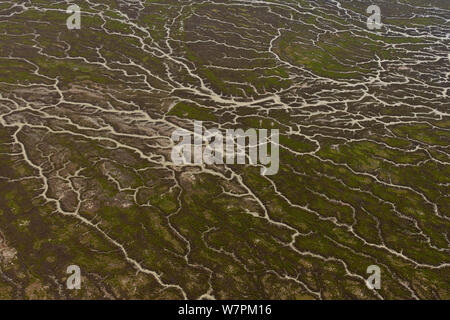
(86, 176)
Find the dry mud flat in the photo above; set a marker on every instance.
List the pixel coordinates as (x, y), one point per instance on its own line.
(86, 176)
